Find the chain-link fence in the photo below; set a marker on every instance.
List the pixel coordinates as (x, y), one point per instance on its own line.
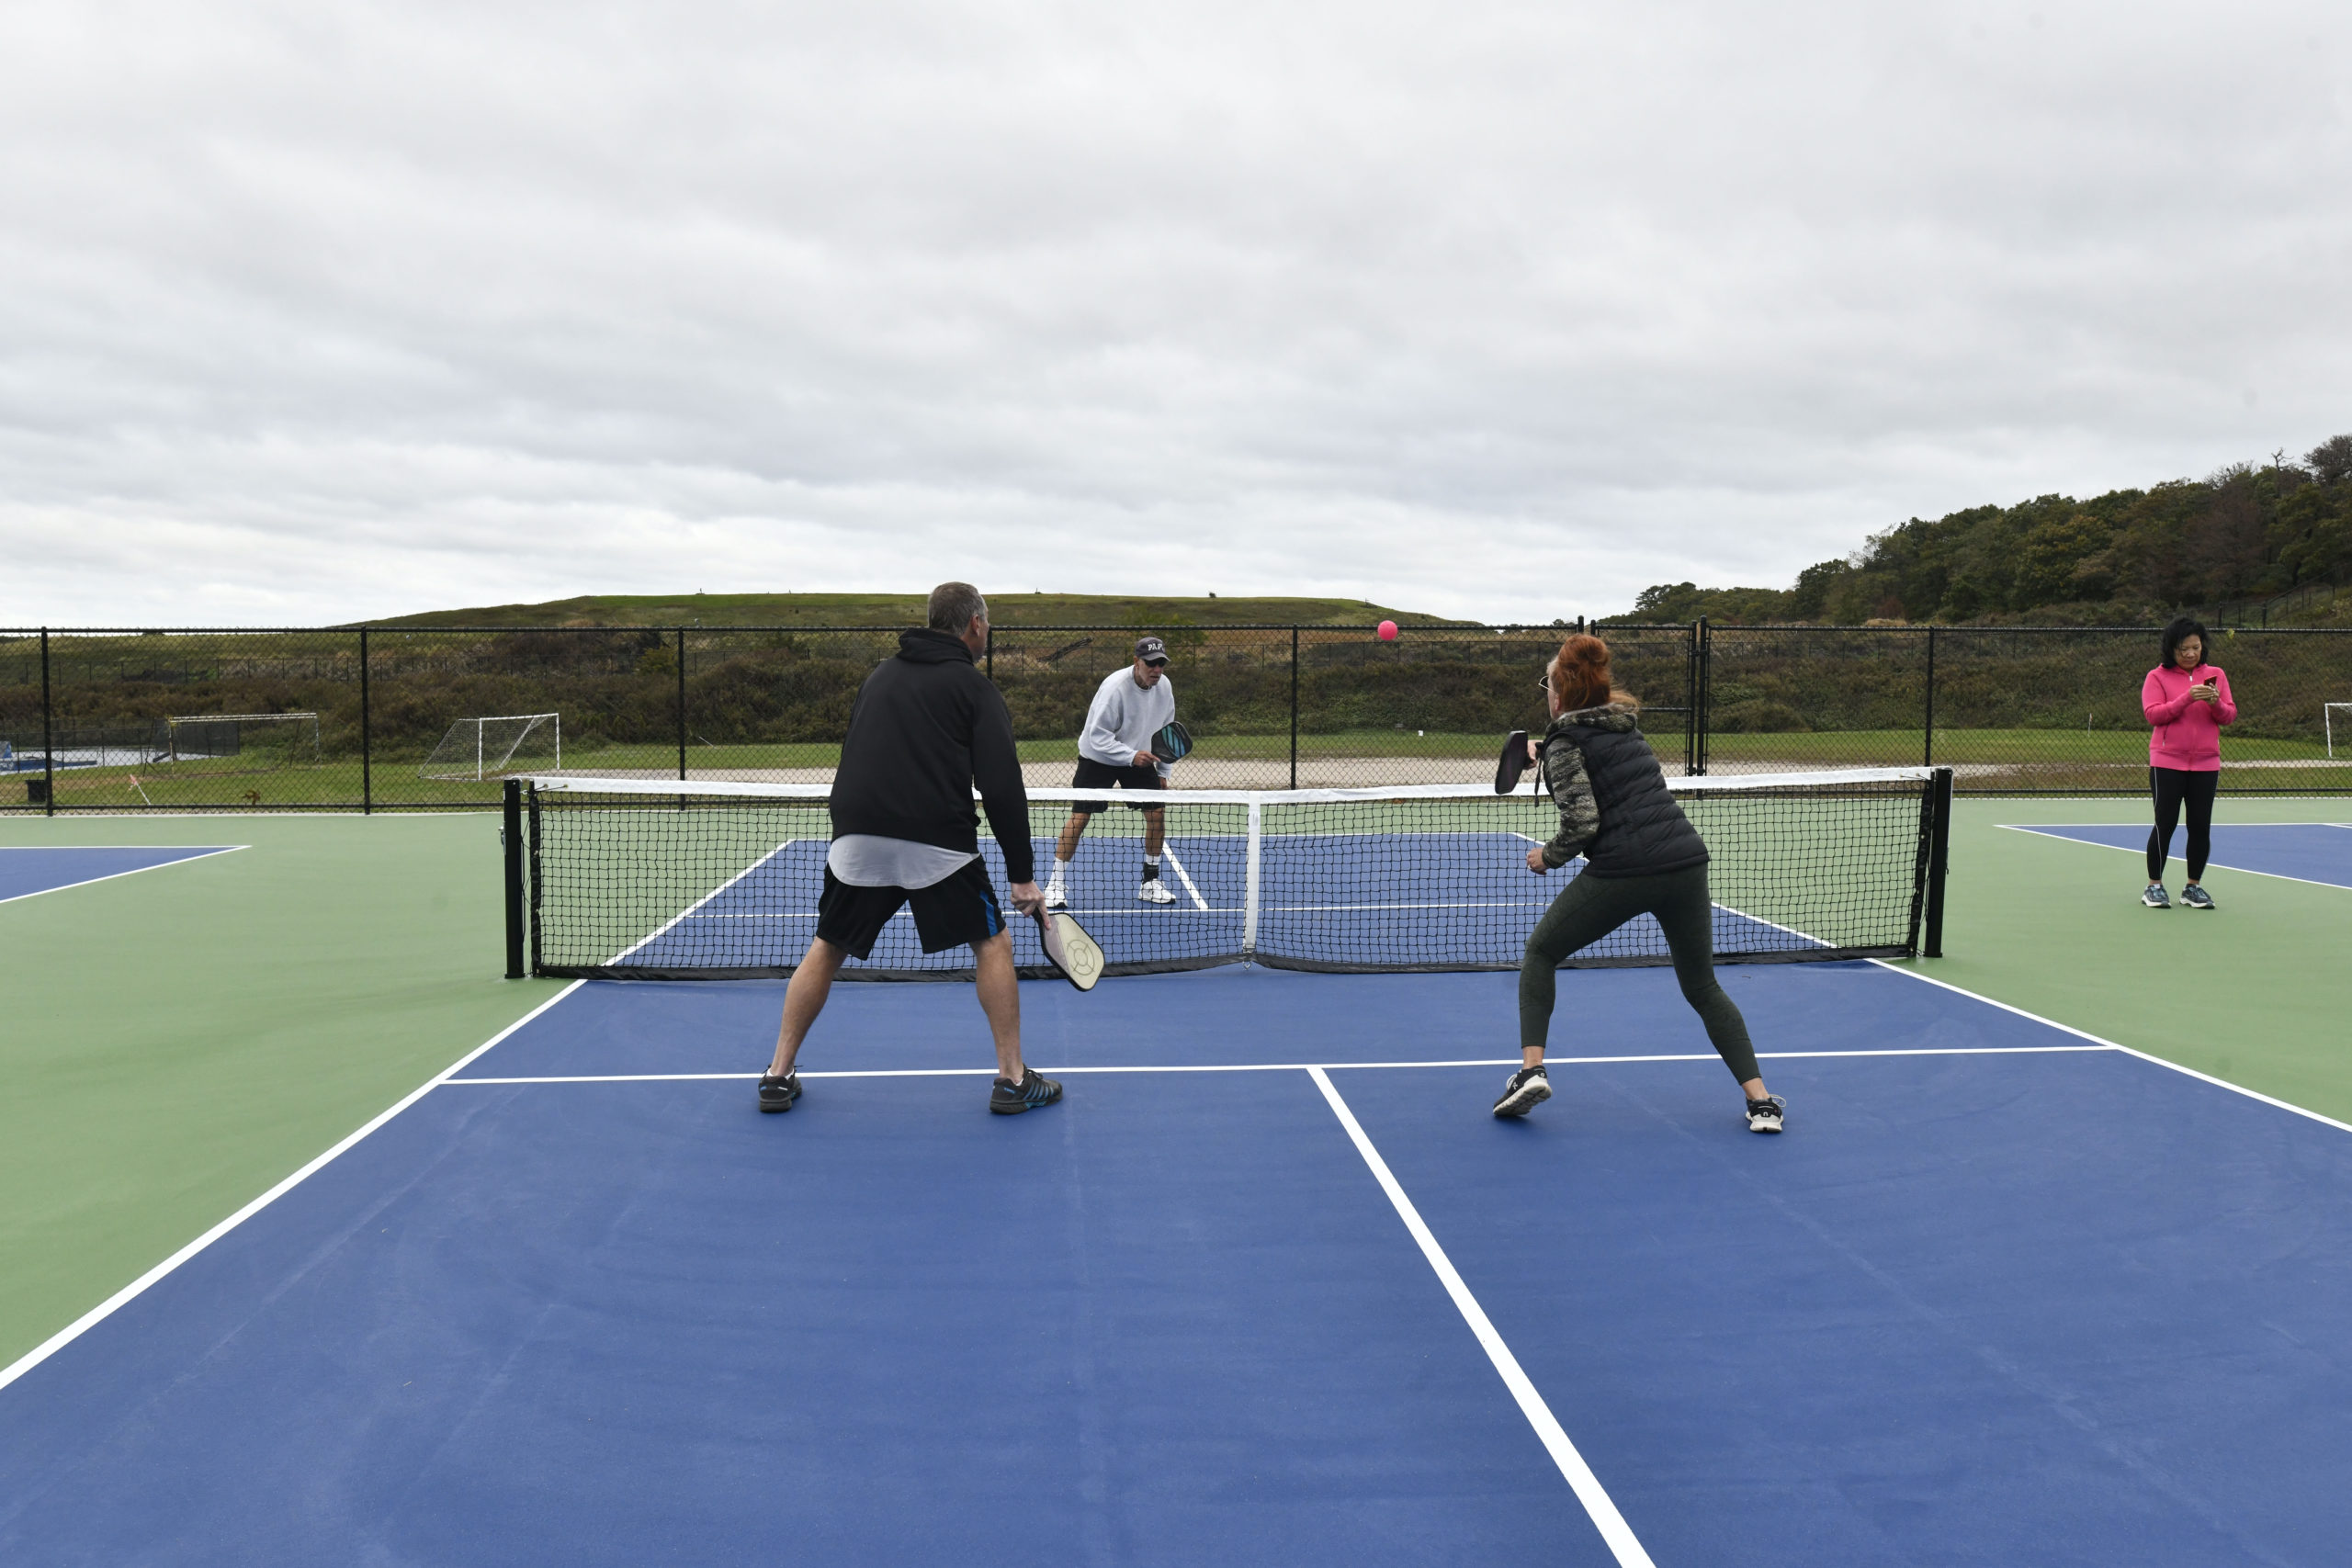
(387, 719)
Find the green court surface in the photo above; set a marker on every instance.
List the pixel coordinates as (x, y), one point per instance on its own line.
(177, 1042)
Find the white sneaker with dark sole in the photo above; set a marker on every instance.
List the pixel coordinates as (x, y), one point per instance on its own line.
(1528, 1088)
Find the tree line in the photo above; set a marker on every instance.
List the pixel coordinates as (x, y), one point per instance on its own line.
(2123, 557)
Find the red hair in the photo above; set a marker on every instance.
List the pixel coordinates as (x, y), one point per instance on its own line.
(1580, 676)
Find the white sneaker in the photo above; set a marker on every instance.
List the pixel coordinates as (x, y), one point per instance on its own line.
(1154, 891)
(1054, 897)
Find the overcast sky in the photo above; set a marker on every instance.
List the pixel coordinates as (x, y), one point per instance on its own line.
(314, 311)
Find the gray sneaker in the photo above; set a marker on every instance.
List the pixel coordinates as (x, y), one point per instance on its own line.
(2155, 896)
(2195, 898)
(1765, 1115)
(1528, 1088)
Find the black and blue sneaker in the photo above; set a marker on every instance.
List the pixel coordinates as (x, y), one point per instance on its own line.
(1010, 1099)
(2153, 898)
(2195, 898)
(1528, 1088)
(778, 1093)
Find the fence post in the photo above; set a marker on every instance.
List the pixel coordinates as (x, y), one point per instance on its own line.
(1294, 708)
(991, 666)
(48, 736)
(1701, 679)
(510, 836)
(366, 745)
(682, 703)
(1938, 859)
(1927, 758)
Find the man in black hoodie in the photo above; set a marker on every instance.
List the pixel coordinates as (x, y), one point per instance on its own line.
(927, 726)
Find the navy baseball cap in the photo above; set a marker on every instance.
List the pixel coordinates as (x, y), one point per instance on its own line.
(1151, 650)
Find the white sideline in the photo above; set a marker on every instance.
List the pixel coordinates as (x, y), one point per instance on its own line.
(674, 922)
(1292, 1066)
(2046, 830)
(2113, 1045)
(1580, 1478)
(109, 876)
(115, 1303)
(1167, 847)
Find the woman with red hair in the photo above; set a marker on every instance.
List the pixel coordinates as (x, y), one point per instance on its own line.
(1642, 857)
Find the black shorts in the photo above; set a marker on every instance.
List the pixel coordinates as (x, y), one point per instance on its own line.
(953, 911)
(1093, 774)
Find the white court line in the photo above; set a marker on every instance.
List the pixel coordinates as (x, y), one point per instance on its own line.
(109, 876)
(114, 1304)
(1299, 1066)
(2043, 831)
(1578, 1474)
(699, 903)
(2113, 1045)
(1167, 847)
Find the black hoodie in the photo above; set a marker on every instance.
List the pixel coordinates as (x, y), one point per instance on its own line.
(926, 727)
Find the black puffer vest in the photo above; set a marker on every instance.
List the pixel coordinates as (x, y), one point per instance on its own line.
(1643, 832)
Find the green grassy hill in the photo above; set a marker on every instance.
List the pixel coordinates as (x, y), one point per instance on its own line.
(906, 609)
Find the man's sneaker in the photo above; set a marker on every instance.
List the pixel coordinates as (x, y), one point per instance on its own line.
(778, 1093)
(1054, 897)
(2195, 898)
(1528, 1088)
(1010, 1099)
(1764, 1115)
(1154, 891)
(2155, 896)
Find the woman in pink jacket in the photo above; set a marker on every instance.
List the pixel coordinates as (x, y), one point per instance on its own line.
(2188, 700)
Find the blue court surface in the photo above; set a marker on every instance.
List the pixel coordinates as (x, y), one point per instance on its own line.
(2303, 851)
(27, 871)
(1271, 1286)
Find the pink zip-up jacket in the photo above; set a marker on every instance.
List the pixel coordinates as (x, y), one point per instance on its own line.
(2189, 733)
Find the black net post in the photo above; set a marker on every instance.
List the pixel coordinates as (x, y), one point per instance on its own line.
(510, 838)
(1928, 719)
(1294, 708)
(366, 767)
(1939, 859)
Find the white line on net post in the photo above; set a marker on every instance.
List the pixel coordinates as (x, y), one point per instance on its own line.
(1250, 882)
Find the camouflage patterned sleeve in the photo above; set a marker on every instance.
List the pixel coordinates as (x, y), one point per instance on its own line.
(1572, 793)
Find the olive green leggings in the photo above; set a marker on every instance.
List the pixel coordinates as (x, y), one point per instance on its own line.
(1590, 906)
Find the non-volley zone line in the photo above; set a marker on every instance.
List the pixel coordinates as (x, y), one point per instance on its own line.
(1287, 1067)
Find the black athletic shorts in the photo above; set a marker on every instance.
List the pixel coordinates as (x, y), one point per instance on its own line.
(1093, 774)
(958, 909)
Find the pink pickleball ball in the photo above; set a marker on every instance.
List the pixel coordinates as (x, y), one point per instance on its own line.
(1388, 631)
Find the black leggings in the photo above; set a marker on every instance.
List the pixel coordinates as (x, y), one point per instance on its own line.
(1590, 906)
(2172, 787)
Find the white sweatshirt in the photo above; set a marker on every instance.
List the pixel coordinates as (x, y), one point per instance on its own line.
(1123, 717)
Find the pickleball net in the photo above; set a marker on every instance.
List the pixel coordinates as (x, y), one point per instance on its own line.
(636, 878)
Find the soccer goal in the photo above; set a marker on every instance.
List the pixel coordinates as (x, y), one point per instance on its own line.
(2328, 713)
(494, 747)
(251, 740)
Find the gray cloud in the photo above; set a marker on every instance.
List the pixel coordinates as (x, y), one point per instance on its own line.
(317, 311)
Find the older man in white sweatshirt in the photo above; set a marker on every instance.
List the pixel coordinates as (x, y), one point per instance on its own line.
(1114, 753)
